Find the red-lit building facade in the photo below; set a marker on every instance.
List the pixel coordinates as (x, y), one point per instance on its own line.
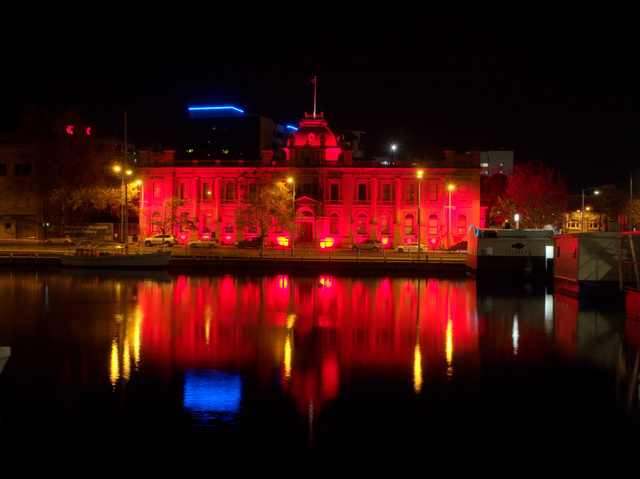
(339, 199)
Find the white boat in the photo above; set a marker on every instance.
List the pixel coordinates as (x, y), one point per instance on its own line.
(92, 258)
(510, 253)
(5, 352)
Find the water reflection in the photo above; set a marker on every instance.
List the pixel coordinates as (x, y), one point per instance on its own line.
(353, 358)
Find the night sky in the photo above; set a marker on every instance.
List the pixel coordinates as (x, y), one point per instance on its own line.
(553, 81)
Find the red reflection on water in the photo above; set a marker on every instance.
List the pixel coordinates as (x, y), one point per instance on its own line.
(316, 330)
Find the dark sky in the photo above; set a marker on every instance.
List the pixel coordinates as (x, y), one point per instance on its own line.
(554, 81)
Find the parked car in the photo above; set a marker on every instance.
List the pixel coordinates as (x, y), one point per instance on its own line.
(411, 248)
(368, 244)
(60, 239)
(248, 243)
(459, 246)
(166, 240)
(203, 244)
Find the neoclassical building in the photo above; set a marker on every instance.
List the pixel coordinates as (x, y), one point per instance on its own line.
(339, 199)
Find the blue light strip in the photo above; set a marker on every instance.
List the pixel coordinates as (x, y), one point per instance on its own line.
(195, 108)
(291, 127)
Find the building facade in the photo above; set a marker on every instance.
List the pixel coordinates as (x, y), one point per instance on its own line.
(339, 199)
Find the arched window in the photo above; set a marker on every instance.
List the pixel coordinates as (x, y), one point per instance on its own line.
(433, 225)
(361, 224)
(385, 224)
(462, 224)
(409, 225)
(334, 224)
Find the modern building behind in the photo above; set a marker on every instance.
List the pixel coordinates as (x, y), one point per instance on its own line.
(497, 162)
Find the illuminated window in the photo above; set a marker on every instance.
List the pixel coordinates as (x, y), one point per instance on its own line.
(207, 191)
(334, 224)
(433, 191)
(462, 224)
(433, 225)
(385, 224)
(408, 225)
(361, 224)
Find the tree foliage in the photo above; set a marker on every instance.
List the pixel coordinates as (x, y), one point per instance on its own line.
(535, 192)
(267, 206)
(170, 218)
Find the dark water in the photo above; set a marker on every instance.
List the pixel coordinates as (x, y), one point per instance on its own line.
(311, 375)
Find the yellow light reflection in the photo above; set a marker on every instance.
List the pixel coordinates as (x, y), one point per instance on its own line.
(417, 369)
(288, 346)
(114, 370)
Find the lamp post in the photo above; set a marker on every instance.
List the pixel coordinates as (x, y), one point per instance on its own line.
(293, 209)
(124, 218)
(596, 192)
(517, 218)
(450, 187)
(419, 206)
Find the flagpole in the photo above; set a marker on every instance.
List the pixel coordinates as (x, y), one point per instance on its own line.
(315, 87)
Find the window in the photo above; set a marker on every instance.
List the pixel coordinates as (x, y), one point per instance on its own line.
(433, 225)
(433, 191)
(463, 192)
(409, 189)
(334, 225)
(206, 222)
(3, 170)
(184, 190)
(334, 191)
(361, 225)
(385, 192)
(462, 224)
(385, 224)
(362, 192)
(207, 191)
(229, 222)
(229, 190)
(409, 225)
(184, 222)
(156, 190)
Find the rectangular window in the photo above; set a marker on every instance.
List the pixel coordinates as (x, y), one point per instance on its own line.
(362, 225)
(433, 225)
(3, 170)
(433, 191)
(157, 190)
(362, 192)
(334, 189)
(333, 225)
(385, 225)
(409, 189)
(463, 192)
(184, 191)
(229, 190)
(385, 192)
(207, 191)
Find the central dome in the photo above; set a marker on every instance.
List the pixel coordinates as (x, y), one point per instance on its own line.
(313, 131)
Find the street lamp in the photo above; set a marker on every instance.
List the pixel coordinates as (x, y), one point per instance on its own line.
(293, 209)
(596, 192)
(450, 187)
(124, 218)
(419, 222)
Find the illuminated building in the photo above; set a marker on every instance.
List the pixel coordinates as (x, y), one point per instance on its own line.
(339, 198)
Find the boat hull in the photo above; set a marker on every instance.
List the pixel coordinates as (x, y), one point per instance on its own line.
(125, 261)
